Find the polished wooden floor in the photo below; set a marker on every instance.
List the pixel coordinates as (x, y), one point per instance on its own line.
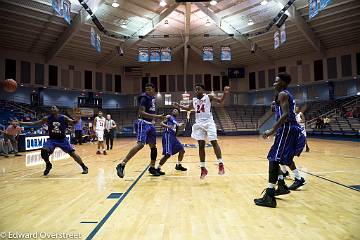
(179, 205)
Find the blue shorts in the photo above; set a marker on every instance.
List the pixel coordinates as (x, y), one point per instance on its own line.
(146, 132)
(289, 142)
(171, 145)
(64, 144)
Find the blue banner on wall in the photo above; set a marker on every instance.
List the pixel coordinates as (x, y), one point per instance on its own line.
(93, 37)
(98, 43)
(313, 8)
(143, 54)
(225, 54)
(165, 54)
(67, 11)
(155, 54)
(57, 5)
(208, 53)
(324, 4)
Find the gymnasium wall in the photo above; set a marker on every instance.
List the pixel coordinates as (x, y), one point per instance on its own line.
(70, 73)
(304, 86)
(344, 77)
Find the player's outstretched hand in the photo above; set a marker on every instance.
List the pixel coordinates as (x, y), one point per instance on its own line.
(267, 133)
(161, 117)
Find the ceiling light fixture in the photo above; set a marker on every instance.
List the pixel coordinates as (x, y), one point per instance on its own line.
(163, 3)
(166, 23)
(115, 4)
(250, 22)
(208, 23)
(264, 2)
(213, 2)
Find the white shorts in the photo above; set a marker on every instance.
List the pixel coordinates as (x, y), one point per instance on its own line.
(100, 135)
(203, 130)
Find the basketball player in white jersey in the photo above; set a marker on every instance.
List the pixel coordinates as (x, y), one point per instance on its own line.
(99, 123)
(300, 118)
(204, 126)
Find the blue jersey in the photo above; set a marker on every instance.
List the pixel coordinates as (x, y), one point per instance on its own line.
(149, 103)
(278, 112)
(173, 124)
(57, 126)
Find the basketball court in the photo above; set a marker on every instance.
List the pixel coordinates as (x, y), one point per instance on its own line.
(265, 79)
(179, 205)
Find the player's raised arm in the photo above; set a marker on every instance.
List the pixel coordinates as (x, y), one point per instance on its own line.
(39, 122)
(76, 118)
(187, 108)
(284, 103)
(71, 121)
(222, 99)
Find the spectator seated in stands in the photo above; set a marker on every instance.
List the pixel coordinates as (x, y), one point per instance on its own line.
(356, 113)
(326, 122)
(319, 123)
(31, 132)
(2, 151)
(349, 114)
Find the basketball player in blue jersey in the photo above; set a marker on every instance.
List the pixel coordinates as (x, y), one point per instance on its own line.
(57, 124)
(146, 133)
(171, 145)
(289, 141)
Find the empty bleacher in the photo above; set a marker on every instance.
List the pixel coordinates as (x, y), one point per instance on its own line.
(246, 116)
(339, 123)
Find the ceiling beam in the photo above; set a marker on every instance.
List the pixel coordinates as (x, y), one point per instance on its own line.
(66, 36)
(238, 8)
(187, 37)
(146, 29)
(229, 29)
(304, 28)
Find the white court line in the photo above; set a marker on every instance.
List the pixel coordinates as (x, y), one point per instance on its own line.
(244, 174)
(180, 176)
(342, 155)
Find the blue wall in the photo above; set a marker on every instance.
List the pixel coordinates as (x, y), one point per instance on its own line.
(22, 95)
(60, 97)
(117, 101)
(66, 98)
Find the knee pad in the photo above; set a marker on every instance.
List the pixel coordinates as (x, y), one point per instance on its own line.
(45, 154)
(153, 153)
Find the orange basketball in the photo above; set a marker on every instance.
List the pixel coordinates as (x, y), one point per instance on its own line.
(9, 85)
